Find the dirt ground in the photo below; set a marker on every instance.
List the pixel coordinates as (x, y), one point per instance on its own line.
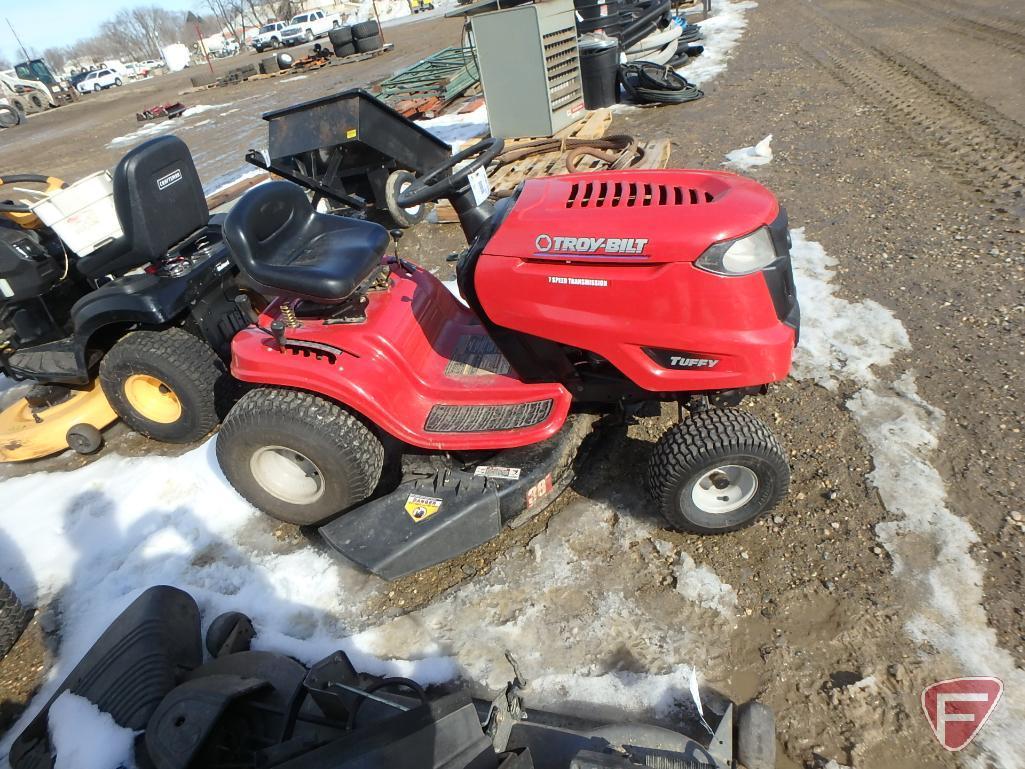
(899, 145)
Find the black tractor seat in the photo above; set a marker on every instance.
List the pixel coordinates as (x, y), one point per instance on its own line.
(279, 241)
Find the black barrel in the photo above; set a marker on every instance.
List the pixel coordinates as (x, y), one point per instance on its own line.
(599, 63)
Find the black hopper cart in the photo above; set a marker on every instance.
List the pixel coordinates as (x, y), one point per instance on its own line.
(351, 150)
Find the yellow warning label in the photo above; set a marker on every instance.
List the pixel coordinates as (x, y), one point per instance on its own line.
(421, 508)
(350, 134)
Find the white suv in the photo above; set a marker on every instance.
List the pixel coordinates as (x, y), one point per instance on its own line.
(269, 36)
(96, 81)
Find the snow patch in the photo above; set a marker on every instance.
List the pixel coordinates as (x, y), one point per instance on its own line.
(232, 177)
(149, 130)
(722, 30)
(929, 544)
(749, 157)
(456, 127)
(84, 737)
(294, 78)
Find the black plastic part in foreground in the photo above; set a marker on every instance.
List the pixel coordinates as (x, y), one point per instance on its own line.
(443, 734)
(418, 525)
(127, 672)
(428, 521)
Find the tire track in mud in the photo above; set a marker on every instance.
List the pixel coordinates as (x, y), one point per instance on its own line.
(960, 133)
(1005, 34)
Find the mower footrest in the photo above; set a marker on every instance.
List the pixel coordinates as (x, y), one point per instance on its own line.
(51, 362)
(420, 524)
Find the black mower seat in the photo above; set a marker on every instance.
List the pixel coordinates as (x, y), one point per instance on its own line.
(278, 240)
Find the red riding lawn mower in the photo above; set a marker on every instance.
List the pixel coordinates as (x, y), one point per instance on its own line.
(431, 422)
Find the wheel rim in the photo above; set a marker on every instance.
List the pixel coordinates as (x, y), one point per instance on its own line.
(153, 399)
(724, 489)
(414, 210)
(287, 474)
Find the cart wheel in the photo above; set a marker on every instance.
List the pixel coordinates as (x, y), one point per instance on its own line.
(756, 736)
(298, 457)
(84, 439)
(404, 217)
(717, 471)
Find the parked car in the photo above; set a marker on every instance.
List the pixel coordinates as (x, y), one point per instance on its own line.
(99, 79)
(307, 26)
(269, 36)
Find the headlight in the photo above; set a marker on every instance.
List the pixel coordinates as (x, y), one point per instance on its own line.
(741, 256)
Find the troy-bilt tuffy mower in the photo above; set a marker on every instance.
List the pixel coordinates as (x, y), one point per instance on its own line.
(586, 296)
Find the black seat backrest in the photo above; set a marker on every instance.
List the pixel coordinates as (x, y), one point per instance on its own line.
(159, 202)
(266, 217)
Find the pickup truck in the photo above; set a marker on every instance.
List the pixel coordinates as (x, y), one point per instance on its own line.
(307, 26)
(269, 36)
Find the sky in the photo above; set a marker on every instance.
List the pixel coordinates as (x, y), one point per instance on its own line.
(42, 25)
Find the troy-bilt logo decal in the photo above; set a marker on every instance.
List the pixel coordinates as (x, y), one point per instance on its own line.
(959, 707)
(166, 181)
(560, 244)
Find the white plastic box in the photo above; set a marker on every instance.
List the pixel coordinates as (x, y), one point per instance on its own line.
(82, 214)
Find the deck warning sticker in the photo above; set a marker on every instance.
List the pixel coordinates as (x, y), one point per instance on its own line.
(420, 508)
(499, 473)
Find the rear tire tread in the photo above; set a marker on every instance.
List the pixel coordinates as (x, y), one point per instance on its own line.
(14, 618)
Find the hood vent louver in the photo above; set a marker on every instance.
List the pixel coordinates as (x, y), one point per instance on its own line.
(627, 194)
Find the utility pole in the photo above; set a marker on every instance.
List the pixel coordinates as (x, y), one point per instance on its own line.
(20, 44)
(199, 36)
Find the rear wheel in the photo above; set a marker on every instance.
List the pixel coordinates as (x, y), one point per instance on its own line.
(13, 618)
(298, 457)
(717, 471)
(117, 81)
(163, 384)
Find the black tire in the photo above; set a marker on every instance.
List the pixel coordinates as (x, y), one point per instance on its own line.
(269, 65)
(118, 82)
(346, 49)
(340, 35)
(14, 618)
(181, 363)
(275, 42)
(309, 36)
(19, 107)
(366, 29)
(403, 217)
(756, 736)
(9, 116)
(84, 439)
(304, 433)
(36, 101)
(368, 44)
(717, 446)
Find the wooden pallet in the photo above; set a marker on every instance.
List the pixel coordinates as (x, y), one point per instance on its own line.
(510, 175)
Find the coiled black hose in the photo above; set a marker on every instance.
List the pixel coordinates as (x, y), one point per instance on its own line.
(651, 83)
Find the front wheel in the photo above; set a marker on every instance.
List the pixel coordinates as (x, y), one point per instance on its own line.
(309, 36)
(298, 457)
(717, 471)
(164, 384)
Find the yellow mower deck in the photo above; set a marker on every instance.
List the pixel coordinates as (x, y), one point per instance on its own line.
(24, 435)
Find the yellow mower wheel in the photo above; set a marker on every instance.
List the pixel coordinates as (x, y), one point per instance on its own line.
(153, 399)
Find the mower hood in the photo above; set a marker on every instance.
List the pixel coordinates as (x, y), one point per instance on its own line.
(650, 216)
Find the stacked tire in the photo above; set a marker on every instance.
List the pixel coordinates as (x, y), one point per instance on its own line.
(367, 36)
(341, 41)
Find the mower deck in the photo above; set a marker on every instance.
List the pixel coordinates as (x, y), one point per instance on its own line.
(30, 434)
(431, 519)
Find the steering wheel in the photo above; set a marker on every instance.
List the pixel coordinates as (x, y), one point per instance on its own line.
(425, 188)
(20, 213)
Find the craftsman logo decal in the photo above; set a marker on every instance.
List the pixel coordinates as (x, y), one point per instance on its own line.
(959, 707)
(678, 361)
(561, 244)
(421, 508)
(166, 181)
